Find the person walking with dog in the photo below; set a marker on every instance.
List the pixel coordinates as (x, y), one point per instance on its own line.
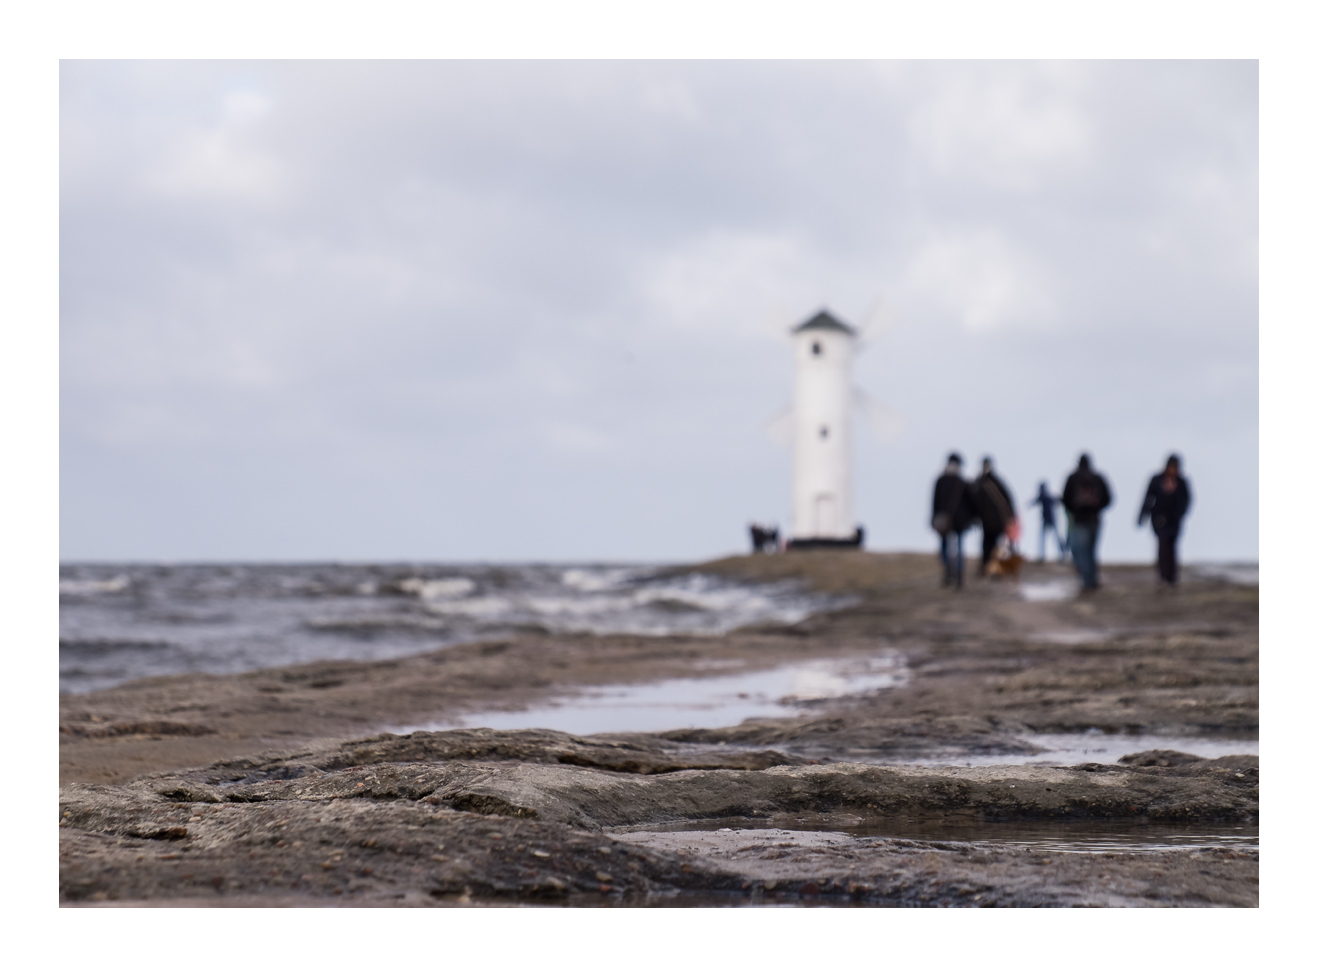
(1085, 497)
(953, 514)
(997, 513)
(1165, 503)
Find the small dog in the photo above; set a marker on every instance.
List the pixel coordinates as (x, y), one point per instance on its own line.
(1005, 562)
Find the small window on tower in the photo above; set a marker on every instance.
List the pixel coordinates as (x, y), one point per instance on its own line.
(823, 433)
(817, 348)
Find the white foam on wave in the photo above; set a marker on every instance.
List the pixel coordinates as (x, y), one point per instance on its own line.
(437, 589)
(606, 579)
(630, 601)
(483, 607)
(111, 586)
(231, 618)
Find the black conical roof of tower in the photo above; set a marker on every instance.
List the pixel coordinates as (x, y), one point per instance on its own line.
(823, 319)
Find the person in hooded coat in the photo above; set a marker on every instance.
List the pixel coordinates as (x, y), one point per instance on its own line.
(1165, 502)
(1085, 496)
(954, 512)
(993, 505)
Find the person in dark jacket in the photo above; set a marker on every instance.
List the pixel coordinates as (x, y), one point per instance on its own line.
(1165, 504)
(1048, 521)
(953, 514)
(1085, 496)
(995, 509)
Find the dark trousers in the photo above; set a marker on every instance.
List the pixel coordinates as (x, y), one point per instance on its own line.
(954, 564)
(990, 542)
(1167, 555)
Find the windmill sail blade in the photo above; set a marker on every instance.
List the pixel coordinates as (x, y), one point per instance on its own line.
(886, 421)
(879, 319)
(780, 426)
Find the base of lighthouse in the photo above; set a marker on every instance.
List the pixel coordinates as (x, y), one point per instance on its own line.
(853, 543)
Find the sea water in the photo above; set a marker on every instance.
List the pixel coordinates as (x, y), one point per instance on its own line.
(119, 623)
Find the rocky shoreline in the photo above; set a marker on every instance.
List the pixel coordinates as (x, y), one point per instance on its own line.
(170, 793)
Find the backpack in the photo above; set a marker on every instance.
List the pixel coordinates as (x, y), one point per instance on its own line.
(1088, 496)
(943, 520)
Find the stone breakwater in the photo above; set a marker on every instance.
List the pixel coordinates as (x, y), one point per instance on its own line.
(525, 817)
(455, 815)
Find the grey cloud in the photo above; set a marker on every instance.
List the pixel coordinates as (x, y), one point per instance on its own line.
(534, 310)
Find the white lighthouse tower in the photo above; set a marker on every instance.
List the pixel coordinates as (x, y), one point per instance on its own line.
(823, 511)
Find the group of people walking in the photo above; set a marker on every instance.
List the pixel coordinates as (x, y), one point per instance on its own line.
(960, 504)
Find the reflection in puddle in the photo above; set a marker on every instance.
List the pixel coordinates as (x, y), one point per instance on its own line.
(706, 703)
(1071, 749)
(1078, 836)
(1060, 589)
(1234, 573)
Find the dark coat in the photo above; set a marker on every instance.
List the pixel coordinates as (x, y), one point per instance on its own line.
(1045, 503)
(952, 496)
(1165, 509)
(993, 503)
(1085, 496)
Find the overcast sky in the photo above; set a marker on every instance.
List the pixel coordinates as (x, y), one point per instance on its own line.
(537, 311)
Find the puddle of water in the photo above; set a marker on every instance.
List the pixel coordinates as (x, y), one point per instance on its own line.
(1234, 573)
(1071, 749)
(705, 703)
(1058, 589)
(1080, 836)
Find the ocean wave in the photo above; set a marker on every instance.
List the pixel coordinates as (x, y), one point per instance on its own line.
(108, 646)
(224, 619)
(607, 579)
(486, 607)
(378, 622)
(115, 584)
(437, 589)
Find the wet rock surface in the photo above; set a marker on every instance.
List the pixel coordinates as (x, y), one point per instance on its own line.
(345, 815)
(501, 817)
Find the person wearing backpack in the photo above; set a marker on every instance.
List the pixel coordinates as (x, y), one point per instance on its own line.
(995, 510)
(953, 514)
(1085, 496)
(1165, 503)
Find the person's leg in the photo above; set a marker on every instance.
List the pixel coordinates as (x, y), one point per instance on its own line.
(1091, 569)
(1082, 552)
(1093, 553)
(1078, 553)
(960, 561)
(1043, 541)
(986, 554)
(945, 552)
(1167, 564)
